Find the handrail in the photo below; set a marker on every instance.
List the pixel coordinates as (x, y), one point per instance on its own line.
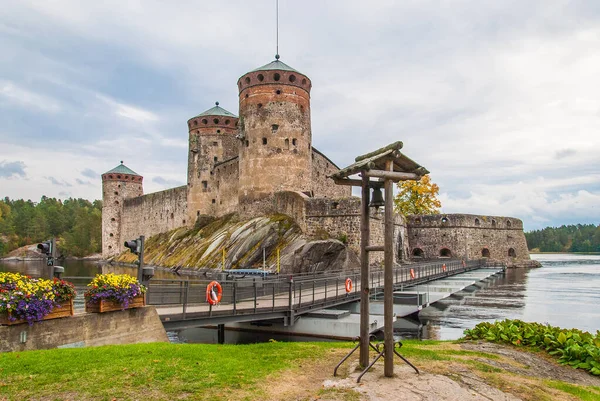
(291, 295)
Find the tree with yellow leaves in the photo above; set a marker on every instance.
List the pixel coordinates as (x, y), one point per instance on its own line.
(417, 197)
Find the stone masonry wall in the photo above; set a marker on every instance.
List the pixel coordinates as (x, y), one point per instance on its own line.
(275, 126)
(340, 219)
(212, 141)
(468, 236)
(116, 188)
(226, 179)
(322, 186)
(154, 213)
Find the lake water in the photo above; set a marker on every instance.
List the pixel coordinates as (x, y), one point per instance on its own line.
(564, 292)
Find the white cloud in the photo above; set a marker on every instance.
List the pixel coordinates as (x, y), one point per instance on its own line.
(19, 96)
(134, 113)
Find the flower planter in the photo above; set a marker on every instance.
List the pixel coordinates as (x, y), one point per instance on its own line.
(109, 306)
(65, 310)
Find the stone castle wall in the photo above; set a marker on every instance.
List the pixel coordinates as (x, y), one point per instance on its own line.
(340, 219)
(154, 213)
(468, 236)
(227, 176)
(322, 186)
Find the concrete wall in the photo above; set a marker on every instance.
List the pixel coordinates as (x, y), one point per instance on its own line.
(469, 236)
(139, 325)
(322, 186)
(155, 213)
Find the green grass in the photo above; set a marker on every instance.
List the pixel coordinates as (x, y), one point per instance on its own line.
(149, 371)
(588, 393)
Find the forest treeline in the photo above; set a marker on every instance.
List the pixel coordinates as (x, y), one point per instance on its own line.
(572, 238)
(76, 223)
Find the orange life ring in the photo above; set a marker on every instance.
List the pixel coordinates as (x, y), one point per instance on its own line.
(213, 297)
(444, 267)
(348, 284)
(412, 273)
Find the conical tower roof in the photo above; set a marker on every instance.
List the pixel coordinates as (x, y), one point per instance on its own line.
(216, 111)
(122, 169)
(276, 65)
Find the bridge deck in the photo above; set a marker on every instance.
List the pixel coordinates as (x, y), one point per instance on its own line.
(182, 303)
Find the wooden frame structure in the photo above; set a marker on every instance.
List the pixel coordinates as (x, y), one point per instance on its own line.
(387, 165)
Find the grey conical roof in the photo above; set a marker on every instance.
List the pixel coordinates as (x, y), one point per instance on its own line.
(216, 111)
(276, 65)
(122, 169)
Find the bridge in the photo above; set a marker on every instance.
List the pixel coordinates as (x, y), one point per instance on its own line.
(246, 297)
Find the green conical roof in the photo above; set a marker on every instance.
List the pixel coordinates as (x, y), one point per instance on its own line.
(276, 65)
(216, 111)
(122, 169)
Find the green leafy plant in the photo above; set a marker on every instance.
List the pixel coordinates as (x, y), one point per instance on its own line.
(573, 347)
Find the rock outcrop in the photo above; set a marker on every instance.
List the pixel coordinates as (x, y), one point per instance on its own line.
(245, 244)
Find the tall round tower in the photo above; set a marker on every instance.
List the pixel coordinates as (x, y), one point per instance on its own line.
(118, 184)
(275, 153)
(212, 140)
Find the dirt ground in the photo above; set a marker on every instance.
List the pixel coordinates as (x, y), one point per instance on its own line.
(511, 374)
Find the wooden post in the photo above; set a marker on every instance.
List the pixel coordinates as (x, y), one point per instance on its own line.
(364, 274)
(388, 276)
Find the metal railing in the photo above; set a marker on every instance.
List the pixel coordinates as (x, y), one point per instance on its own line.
(287, 296)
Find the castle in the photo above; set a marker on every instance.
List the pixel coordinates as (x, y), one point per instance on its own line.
(263, 162)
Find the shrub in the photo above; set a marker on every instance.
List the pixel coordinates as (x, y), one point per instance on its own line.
(574, 347)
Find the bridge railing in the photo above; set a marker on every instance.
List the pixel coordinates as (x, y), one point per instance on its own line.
(296, 294)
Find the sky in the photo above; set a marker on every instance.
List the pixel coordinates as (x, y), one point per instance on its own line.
(500, 101)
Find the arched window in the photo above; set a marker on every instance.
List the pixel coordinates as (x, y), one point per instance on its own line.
(444, 220)
(445, 253)
(485, 253)
(512, 253)
(418, 253)
(418, 220)
(477, 222)
(494, 223)
(508, 223)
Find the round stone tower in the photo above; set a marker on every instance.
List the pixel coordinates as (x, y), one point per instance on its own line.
(118, 184)
(275, 133)
(212, 141)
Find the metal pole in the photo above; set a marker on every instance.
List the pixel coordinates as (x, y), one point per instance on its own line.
(141, 260)
(221, 333)
(388, 279)
(278, 264)
(364, 274)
